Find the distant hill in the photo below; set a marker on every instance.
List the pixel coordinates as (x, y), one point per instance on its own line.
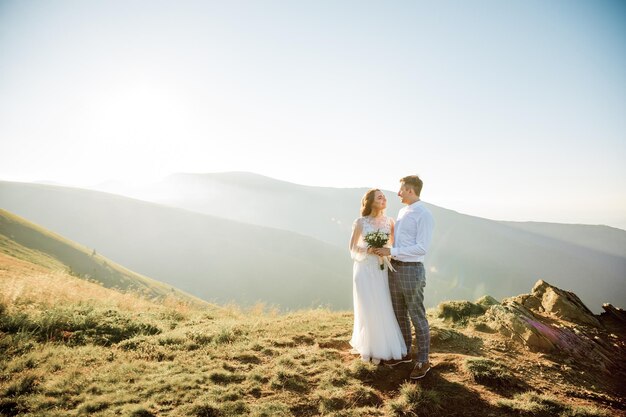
(470, 256)
(212, 258)
(24, 240)
(598, 238)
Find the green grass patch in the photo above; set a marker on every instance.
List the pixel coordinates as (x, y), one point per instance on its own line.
(414, 401)
(289, 380)
(205, 410)
(536, 405)
(335, 377)
(459, 311)
(330, 401)
(27, 384)
(225, 378)
(248, 358)
(272, 409)
(363, 396)
(94, 406)
(76, 325)
(141, 412)
(146, 348)
(363, 370)
(228, 335)
(490, 373)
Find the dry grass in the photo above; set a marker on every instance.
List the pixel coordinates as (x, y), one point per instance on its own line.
(490, 373)
(211, 361)
(532, 404)
(415, 401)
(459, 311)
(25, 284)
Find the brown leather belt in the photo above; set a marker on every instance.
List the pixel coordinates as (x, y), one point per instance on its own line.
(404, 263)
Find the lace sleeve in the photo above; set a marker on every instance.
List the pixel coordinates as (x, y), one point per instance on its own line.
(357, 252)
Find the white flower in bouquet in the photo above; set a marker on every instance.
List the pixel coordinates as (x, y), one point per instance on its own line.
(377, 239)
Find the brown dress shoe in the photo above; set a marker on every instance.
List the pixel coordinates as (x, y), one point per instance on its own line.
(394, 362)
(420, 370)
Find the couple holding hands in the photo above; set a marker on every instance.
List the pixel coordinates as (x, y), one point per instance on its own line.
(389, 279)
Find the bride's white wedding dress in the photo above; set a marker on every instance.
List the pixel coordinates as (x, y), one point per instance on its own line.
(376, 334)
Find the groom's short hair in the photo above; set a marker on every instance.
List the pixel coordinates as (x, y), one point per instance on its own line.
(414, 182)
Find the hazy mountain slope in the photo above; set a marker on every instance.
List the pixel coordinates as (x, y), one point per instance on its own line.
(469, 256)
(323, 213)
(483, 256)
(596, 237)
(26, 241)
(212, 258)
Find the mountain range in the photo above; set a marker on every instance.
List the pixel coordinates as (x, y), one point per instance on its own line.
(469, 257)
(212, 258)
(245, 237)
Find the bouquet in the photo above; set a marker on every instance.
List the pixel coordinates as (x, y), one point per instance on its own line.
(378, 239)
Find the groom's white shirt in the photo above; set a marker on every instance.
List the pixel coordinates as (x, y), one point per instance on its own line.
(413, 233)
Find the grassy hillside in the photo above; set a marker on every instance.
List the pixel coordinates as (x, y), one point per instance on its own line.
(469, 256)
(69, 347)
(212, 258)
(27, 241)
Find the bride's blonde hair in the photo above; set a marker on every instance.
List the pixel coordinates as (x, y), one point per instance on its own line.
(367, 201)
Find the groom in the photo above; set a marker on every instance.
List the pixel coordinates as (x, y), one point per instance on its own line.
(413, 233)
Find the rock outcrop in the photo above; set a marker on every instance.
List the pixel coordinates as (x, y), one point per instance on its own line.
(555, 321)
(613, 314)
(487, 301)
(563, 304)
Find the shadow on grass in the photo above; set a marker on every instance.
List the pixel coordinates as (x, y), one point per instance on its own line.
(451, 341)
(10, 408)
(456, 399)
(338, 344)
(495, 376)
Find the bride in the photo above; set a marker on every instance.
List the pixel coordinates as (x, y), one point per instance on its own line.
(376, 334)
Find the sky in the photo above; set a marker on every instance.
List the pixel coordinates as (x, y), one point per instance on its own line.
(511, 110)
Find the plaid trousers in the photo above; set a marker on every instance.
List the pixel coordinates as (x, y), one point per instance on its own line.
(406, 286)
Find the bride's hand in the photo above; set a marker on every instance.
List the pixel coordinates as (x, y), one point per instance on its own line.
(383, 252)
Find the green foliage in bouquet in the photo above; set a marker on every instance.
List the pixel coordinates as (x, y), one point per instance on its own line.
(376, 239)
